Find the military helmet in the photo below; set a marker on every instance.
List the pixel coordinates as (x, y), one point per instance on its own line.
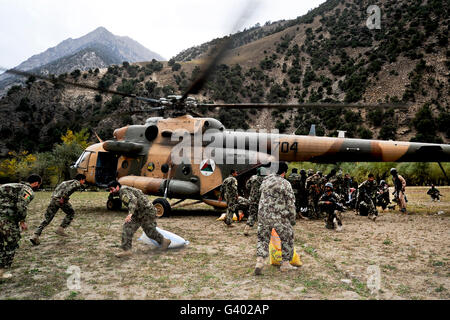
(393, 171)
(262, 171)
(302, 172)
(329, 185)
(310, 172)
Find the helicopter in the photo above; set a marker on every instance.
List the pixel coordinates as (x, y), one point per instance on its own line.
(144, 157)
(185, 156)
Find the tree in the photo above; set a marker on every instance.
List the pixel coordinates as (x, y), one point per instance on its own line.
(17, 166)
(67, 152)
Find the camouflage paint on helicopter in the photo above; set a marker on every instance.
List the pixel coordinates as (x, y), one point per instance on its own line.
(141, 156)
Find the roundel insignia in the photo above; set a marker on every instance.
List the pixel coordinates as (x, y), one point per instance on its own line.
(207, 167)
(151, 166)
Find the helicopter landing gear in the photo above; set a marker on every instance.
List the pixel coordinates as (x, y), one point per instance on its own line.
(162, 207)
(114, 204)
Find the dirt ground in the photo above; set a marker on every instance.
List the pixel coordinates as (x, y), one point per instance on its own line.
(411, 254)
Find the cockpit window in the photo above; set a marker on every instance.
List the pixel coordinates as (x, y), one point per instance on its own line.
(83, 160)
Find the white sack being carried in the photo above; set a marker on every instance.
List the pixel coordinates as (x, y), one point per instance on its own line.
(177, 241)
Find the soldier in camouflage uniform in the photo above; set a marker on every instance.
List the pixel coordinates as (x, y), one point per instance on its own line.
(230, 194)
(298, 185)
(346, 187)
(434, 193)
(313, 187)
(329, 202)
(338, 184)
(60, 200)
(14, 199)
(253, 185)
(276, 210)
(367, 197)
(141, 213)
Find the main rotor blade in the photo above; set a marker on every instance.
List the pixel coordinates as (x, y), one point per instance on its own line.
(220, 50)
(78, 85)
(298, 106)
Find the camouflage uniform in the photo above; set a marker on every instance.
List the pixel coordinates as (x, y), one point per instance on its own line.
(313, 187)
(14, 199)
(60, 200)
(338, 185)
(383, 198)
(331, 209)
(367, 194)
(143, 215)
(346, 185)
(253, 184)
(234, 202)
(276, 210)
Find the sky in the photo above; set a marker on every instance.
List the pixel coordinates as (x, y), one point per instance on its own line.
(29, 27)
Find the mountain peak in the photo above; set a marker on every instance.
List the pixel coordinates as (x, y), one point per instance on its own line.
(100, 30)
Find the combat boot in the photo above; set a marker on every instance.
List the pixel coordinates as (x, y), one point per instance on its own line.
(60, 231)
(124, 254)
(247, 230)
(35, 240)
(286, 266)
(165, 244)
(259, 266)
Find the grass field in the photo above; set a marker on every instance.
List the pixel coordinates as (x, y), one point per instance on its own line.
(411, 253)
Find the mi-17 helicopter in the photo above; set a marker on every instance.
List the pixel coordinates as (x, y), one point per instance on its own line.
(184, 157)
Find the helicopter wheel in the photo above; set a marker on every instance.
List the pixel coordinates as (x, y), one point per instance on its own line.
(114, 204)
(162, 207)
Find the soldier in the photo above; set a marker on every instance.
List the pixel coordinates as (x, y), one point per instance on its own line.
(338, 184)
(295, 181)
(383, 198)
(434, 193)
(313, 188)
(60, 200)
(141, 213)
(331, 174)
(229, 192)
(346, 185)
(303, 195)
(276, 210)
(366, 198)
(400, 187)
(253, 185)
(14, 199)
(329, 202)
